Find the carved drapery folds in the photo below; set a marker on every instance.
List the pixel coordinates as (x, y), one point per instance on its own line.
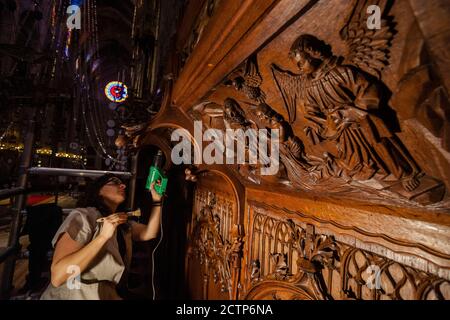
(215, 241)
(301, 262)
(341, 104)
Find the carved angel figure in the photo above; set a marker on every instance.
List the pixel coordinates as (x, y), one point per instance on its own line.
(339, 103)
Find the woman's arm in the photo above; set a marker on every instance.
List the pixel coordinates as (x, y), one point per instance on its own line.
(142, 232)
(69, 252)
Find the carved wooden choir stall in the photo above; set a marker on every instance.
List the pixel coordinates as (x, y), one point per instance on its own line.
(359, 208)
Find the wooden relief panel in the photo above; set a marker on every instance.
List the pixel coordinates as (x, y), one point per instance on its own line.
(215, 246)
(291, 260)
(345, 102)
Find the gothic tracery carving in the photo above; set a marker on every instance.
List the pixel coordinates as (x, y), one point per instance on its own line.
(386, 279)
(319, 259)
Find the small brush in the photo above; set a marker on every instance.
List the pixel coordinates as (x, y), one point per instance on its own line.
(135, 213)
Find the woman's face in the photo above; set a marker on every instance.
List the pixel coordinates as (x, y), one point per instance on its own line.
(113, 191)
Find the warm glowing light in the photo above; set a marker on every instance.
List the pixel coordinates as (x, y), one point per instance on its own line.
(68, 155)
(44, 151)
(116, 91)
(41, 151)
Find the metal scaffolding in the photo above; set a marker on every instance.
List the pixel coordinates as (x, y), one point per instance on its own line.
(9, 255)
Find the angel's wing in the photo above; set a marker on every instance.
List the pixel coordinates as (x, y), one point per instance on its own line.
(368, 48)
(289, 87)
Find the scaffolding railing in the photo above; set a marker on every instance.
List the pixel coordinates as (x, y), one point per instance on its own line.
(75, 172)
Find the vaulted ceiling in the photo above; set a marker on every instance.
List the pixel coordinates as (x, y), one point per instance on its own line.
(44, 65)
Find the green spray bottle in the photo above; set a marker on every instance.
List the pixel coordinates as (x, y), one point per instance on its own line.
(156, 174)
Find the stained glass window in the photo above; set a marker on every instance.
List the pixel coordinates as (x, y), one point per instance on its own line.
(116, 91)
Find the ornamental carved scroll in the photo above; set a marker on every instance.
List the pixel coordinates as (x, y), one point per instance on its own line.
(216, 243)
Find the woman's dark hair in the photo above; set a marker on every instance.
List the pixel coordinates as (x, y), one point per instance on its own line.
(92, 198)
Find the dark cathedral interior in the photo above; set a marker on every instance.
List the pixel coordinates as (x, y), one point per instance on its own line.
(224, 150)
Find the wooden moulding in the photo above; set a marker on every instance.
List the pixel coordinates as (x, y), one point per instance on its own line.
(396, 233)
(236, 33)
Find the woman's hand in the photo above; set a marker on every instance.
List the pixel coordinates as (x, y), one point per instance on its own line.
(155, 195)
(110, 224)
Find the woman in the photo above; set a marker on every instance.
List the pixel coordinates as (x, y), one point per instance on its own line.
(91, 257)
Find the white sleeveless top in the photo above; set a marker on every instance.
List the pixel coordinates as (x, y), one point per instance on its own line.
(99, 280)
